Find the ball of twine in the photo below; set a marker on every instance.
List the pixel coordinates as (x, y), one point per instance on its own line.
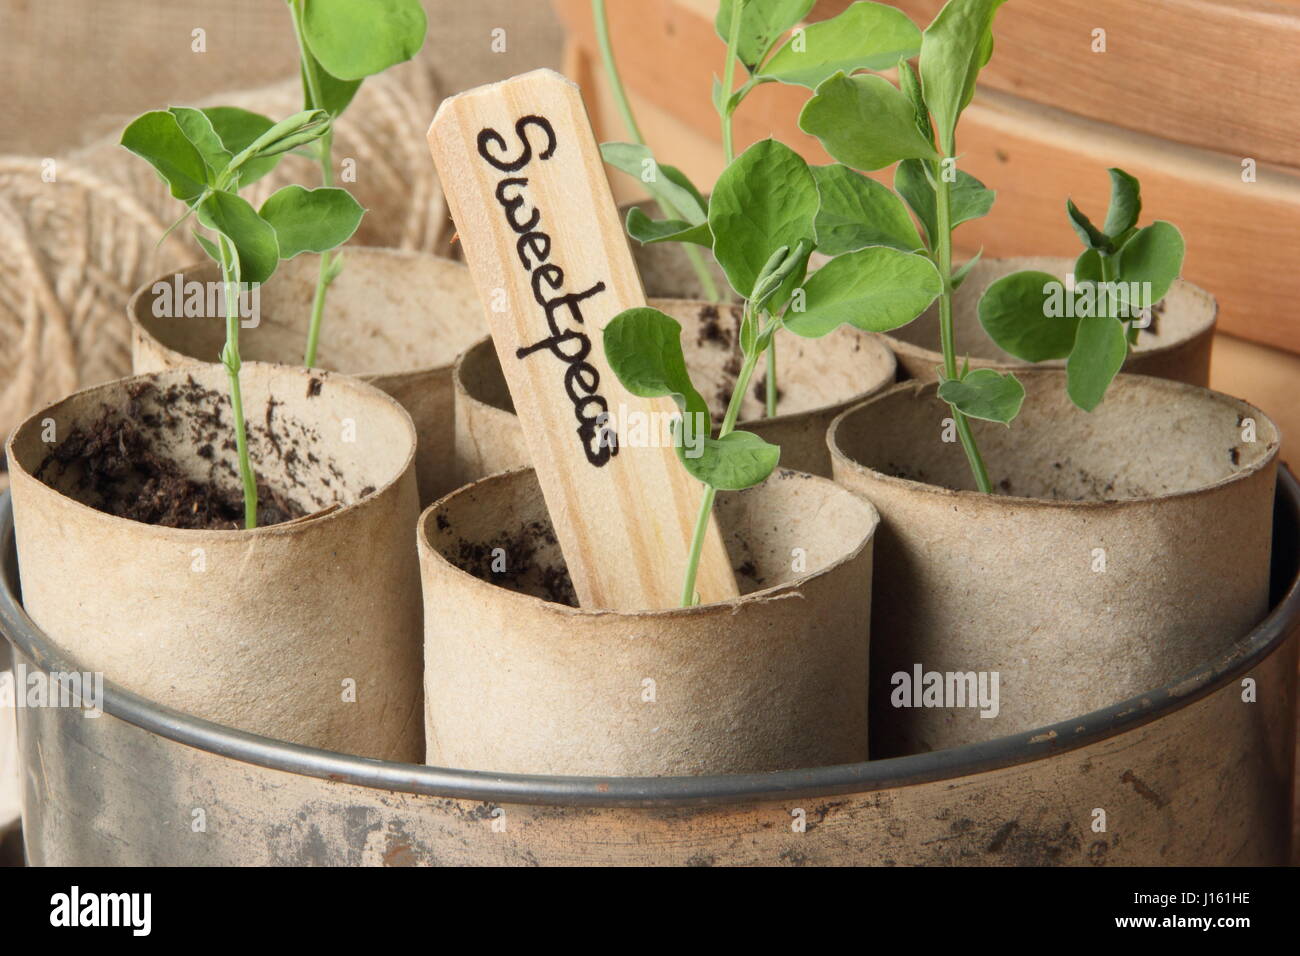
(79, 235)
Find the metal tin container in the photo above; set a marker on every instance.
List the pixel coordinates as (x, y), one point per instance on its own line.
(1197, 772)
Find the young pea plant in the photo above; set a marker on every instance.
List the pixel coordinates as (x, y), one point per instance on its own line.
(1120, 277)
(340, 43)
(865, 35)
(635, 159)
(205, 157)
(763, 223)
(867, 123)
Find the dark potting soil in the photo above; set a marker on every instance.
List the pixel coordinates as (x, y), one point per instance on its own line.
(510, 560)
(121, 472)
(720, 328)
(713, 331)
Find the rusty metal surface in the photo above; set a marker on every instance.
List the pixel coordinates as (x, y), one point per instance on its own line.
(1188, 774)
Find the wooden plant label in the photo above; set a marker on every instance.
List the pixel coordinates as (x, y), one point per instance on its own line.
(534, 212)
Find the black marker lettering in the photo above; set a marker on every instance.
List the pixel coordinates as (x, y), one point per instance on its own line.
(569, 344)
(512, 205)
(490, 136)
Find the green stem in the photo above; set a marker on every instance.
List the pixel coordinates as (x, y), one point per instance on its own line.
(601, 17)
(702, 272)
(325, 154)
(230, 359)
(324, 274)
(771, 379)
(708, 285)
(697, 545)
(728, 80)
(1109, 269)
(943, 216)
(706, 503)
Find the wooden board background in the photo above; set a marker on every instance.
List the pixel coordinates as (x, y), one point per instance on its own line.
(1218, 74)
(1242, 237)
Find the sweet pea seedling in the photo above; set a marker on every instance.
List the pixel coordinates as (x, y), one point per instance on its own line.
(1122, 274)
(340, 43)
(763, 223)
(868, 123)
(205, 157)
(870, 36)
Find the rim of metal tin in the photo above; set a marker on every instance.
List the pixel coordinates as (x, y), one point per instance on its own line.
(676, 791)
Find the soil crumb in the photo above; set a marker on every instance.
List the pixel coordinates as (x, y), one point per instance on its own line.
(508, 560)
(118, 469)
(712, 329)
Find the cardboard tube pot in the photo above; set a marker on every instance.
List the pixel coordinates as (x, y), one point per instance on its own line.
(395, 319)
(307, 630)
(1124, 549)
(1175, 346)
(816, 379)
(517, 680)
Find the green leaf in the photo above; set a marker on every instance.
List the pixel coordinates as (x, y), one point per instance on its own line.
(959, 274)
(197, 128)
(762, 23)
(1154, 255)
(735, 461)
(1125, 205)
(253, 236)
(953, 50)
(968, 198)
(334, 94)
(776, 280)
(1025, 315)
(354, 40)
(876, 289)
(646, 230)
(856, 211)
(208, 246)
(644, 349)
(289, 133)
(910, 86)
(717, 97)
(1087, 268)
(1100, 348)
(667, 184)
(765, 199)
(1092, 237)
(866, 36)
(865, 122)
(238, 128)
(985, 394)
(156, 137)
(311, 220)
